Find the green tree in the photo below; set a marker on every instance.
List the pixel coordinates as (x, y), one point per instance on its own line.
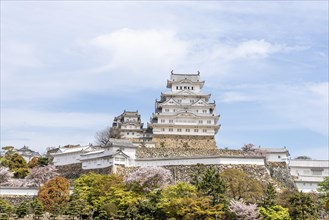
(303, 206)
(181, 201)
(242, 186)
(276, 212)
(33, 163)
(324, 192)
(16, 164)
(209, 182)
(55, 191)
(22, 209)
(5, 208)
(269, 195)
(43, 161)
(36, 208)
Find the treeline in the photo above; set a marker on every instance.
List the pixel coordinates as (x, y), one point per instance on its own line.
(151, 193)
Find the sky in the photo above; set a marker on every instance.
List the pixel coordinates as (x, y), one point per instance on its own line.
(69, 67)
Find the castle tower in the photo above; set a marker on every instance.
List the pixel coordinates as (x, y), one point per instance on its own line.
(130, 125)
(183, 116)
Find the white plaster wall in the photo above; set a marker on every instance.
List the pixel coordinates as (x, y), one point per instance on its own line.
(97, 163)
(276, 157)
(307, 186)
(18, 191)
(65, 159)
(193, 161)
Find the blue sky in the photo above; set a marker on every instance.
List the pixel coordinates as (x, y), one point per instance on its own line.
(67, 68)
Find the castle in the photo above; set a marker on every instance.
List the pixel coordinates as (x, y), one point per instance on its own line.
(180, 134)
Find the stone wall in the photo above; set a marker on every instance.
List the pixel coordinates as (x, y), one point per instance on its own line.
(16, 200)
(190, 152)
(74, 171)
(280, 171)
(276, 174)
(185, 142)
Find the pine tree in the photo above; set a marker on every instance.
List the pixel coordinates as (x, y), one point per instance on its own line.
(270, 195)
(22, 209)
(37, 208)
(303, 206)
(209, 182)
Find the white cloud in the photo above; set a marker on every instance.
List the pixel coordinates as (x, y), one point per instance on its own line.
(138, 50)
(302, 105)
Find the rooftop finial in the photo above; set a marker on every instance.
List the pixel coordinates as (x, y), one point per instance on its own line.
(172, 71)
(198, 72)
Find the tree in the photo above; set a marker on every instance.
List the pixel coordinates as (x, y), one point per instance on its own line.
(149, 178)
(40, 175)
(33, 163)
(5, 174)
(37, 208)
(209, 182)
(96, 190)
(103, 136)
(248, 147)
(5, 207)
(22, 209)
(243, 211)
(276, 212)
(181, 201)
(55, 191)
(241, 186)
(16, 163)
(269, 195)
(43, 161)
(303, 206)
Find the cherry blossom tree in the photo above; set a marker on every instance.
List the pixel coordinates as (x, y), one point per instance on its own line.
(243, 211)
(150, 178)
(5, 175)
(40, 175)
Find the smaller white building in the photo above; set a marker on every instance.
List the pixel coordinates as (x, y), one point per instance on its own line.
(27, 153)
(69, 154)
(308, 173)
(117, 152)
(275, 154)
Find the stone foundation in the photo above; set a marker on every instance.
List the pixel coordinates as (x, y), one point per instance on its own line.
(144, 152)
(74, 171)
(185, 142)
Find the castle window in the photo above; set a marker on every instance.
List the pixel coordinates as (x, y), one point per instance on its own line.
(177, 87)
(179, 130)
(179, 100)
(208, 121)
(171, 121)
(132, 133)
(163, 121)
(170, 129)
(163, 129)
(196, 130)
(204, 111)
(200, 122)
(187, 130)
(166, 110)
(184, 87)
(191, 101)
(192, 87)
(181, 87)
(204, 130)
(127, 133)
